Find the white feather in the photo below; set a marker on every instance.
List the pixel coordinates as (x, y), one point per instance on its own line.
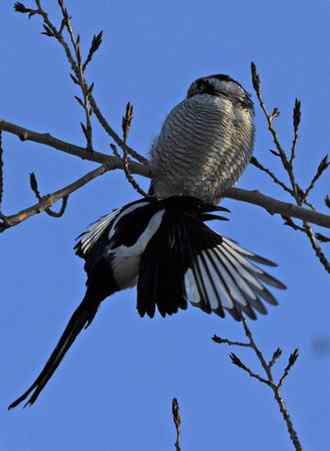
(93, 233)
(223, 275)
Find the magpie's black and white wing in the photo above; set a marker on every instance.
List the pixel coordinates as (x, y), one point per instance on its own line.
(112, 246)
(225, 277)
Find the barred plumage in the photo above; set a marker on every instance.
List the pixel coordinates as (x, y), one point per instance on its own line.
(205, 143)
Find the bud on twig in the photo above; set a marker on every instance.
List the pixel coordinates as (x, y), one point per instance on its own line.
(127, 121)
(255, 78)
(296, 115)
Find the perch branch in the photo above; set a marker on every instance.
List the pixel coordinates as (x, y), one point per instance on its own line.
(272, 205)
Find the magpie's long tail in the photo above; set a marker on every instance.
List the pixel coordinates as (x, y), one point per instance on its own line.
(186, 261)
(81, 318)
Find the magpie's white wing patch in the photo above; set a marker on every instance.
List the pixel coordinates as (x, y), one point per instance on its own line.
(225, 277)
(88, 238)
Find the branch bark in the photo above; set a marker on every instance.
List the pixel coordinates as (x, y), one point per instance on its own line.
(275, 206)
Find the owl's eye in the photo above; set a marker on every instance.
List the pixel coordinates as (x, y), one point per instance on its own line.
(205, 87)
(202, 86)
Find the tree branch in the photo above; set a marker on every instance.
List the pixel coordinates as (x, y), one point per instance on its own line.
(273, 206)
(25, 134)
(269, 380)
(299, 194)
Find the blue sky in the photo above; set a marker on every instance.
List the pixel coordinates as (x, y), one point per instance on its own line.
(114, 389)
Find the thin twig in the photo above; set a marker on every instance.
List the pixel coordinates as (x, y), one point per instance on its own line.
(225, 341)
(319, 236)
(316, 247)
(177, 422)
(49, 211)
(114, 135)
(276, 180)
(237, 361)
(128, 172)
(292, 360)
(322, 167)
(299, 195)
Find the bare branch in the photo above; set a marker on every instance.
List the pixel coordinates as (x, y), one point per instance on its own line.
(236, 361)
(299, 195)
(277, 181)
(269, 379)
(47, 201)
(319, 236)
(316, 247)
(225, 341)
(292, 360)
(322, 167)
(20, 8)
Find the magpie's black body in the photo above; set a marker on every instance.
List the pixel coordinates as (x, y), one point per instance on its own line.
(165, 248)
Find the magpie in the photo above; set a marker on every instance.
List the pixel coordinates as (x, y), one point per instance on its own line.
(166, 249)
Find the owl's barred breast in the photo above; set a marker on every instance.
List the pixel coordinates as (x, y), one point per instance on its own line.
(203, 147)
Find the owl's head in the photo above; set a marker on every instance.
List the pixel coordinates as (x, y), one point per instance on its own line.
(221, 85)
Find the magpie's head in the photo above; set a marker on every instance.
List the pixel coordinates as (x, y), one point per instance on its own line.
(221, 85)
